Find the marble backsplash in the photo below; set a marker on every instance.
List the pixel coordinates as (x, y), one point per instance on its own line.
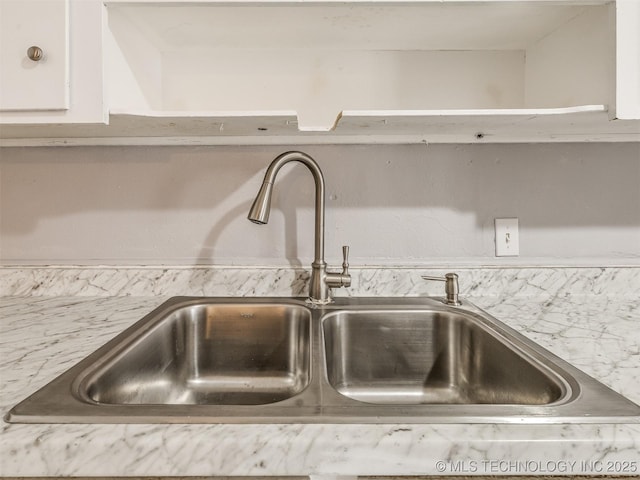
(272, 281)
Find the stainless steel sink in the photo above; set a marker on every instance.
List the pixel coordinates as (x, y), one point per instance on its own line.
(358, 360)
(417, 357)
(216, 354)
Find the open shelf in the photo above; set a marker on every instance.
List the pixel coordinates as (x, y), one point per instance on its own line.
(585, 123)
(232, 72)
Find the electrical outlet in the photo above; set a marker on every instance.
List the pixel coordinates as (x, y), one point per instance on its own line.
(507, 237)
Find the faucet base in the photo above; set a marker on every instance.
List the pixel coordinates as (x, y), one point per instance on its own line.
(314, 302)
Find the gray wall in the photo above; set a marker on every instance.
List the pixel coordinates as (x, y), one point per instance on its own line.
(415, 204)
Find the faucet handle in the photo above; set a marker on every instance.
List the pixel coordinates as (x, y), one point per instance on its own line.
(451, 287)
(345, 259)
(340, 279)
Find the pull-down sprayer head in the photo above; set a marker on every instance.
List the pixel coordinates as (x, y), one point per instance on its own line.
(261, 207)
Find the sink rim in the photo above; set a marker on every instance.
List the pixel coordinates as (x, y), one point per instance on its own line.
(319, 402)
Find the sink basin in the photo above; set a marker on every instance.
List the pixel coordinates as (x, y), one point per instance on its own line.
(358, 360)
(423, 357)
(213, 354)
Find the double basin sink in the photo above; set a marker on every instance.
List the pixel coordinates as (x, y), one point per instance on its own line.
(279, 360)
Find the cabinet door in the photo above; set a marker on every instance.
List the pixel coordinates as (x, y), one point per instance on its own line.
(41, 83)
(628, 59)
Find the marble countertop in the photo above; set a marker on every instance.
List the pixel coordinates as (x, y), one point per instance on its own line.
(40, 337)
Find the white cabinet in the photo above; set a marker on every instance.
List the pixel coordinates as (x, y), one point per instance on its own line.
(334, 72)
(63, 83)
(627, 101)
(35, 55)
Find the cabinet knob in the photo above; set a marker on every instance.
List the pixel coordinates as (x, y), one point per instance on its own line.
(35, 53)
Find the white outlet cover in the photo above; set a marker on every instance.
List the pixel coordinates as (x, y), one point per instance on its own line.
(507, 237)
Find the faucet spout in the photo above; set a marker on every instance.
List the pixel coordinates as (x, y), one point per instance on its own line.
(321, 280)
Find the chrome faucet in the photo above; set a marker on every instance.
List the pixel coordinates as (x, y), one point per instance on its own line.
(321, 280)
